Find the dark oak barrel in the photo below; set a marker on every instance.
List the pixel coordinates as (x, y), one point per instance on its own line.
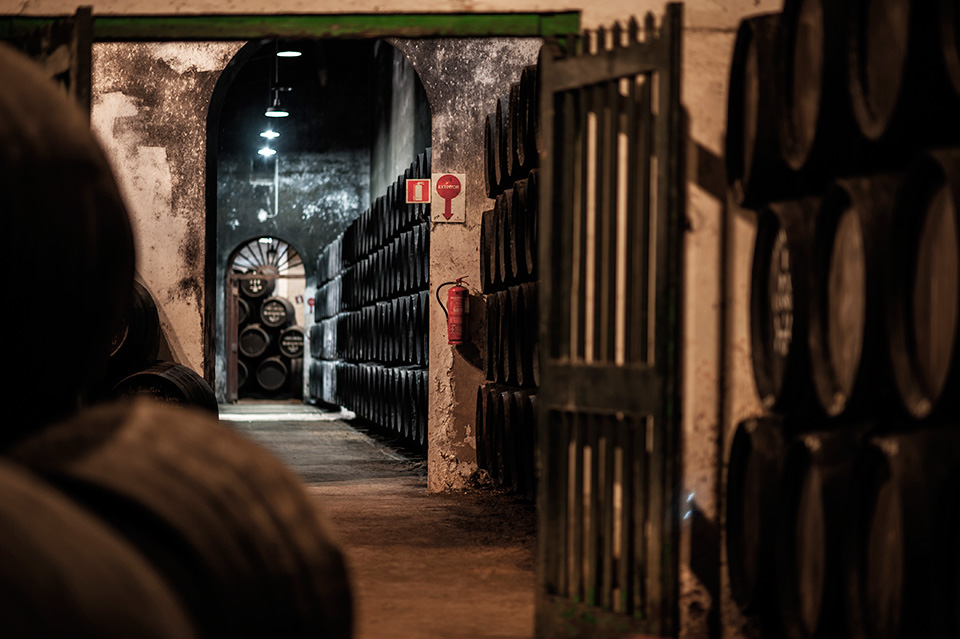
(501, 126)
(756, 171)
(254, 340)
(259, 288)
(138, 339)
(503, 210)
(818, 133)
(848, 353)
(243, 311)
(526, 122)
(778, 306)
(899, 84)
(168, 382)
(59, 198)
(277, 312)
(272, 373)
(65, 573)
(900, 536)
(810, 534)
(231, 529)
(753, 478)
(490, 159)
(291, 341)
(243, 373)
(924, 291)
(511, 145)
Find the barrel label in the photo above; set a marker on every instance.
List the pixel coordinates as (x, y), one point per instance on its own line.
(781, 295)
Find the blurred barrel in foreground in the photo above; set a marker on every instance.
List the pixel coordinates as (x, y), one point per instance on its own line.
(229, 526)
(168, 382)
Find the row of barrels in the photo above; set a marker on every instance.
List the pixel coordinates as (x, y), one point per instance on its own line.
(375, 227)
(371, 310)
(511, 134)
(506, 432)
(393, 398)
(506, 403)
(845, 533)
(270, 348)
(508, 236)
(855, 300)
(133, 367)
(824, 90)
(394, 332)
(512, 347)
(399, 268)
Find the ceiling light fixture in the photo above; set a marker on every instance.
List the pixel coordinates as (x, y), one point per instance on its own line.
(275, 110)
(289, 54)
(270, 134)
(267, 151)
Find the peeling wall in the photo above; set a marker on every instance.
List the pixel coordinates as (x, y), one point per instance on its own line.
(154, 131)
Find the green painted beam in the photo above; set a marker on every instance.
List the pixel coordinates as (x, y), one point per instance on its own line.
(248, 27)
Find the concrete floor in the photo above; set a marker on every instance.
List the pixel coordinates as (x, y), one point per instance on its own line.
(450, 566)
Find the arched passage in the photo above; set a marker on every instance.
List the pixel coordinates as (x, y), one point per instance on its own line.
(358, 117)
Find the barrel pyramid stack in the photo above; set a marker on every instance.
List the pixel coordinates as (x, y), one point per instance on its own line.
(843, 498)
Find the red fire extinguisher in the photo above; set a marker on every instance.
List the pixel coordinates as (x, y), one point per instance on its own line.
(456, 310)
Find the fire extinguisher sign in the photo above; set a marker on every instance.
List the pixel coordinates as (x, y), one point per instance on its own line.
(418, 191)
(447, 202)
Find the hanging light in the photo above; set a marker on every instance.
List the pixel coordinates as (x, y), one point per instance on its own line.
(275, 110)
(269, 134)
(289, 54)
(267, 151)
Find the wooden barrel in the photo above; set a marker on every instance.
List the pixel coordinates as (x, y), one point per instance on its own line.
(510, 124)
(521, 343)
(501, 126)
(490, 156)
(525, 426)
(243, 311)
(487, 250)
(518, 224)
(778, 306)
(65, 573)
(753, 477)
(59, 198)
(532, 302)
(924, 291)
(277, 312)
(810, 534)
(899, 537)
(531, 219)
(272, 373)
(243, 373)
(756, 171)
(506, 250)
(508, 448)
(526, 123)
(228, 525)
(818, 134)
(899, 84)
(168, 382)
(851, 370)
(254, 341)
(260, 288)
(491, 361)
(291, 341)
(507, 340)
(137, 341)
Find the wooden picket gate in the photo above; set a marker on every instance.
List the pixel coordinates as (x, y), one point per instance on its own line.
(612, 201)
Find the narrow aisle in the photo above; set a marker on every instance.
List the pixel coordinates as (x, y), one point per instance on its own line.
(450, 566)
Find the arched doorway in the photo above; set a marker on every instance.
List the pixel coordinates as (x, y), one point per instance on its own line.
(358, 115)
(265, 316)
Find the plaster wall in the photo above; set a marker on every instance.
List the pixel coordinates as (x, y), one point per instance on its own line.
(717, 386)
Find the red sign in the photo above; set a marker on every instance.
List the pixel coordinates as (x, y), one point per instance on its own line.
(448, 187)
(418, 191)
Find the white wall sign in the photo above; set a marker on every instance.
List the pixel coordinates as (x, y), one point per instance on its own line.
(447, 203)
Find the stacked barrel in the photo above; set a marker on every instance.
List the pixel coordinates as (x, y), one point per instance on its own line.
(506, 402)
(842, 500)
(133, 368)
(370, 341)
(270, 344)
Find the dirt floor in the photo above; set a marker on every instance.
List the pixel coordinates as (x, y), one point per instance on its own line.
(447, 566)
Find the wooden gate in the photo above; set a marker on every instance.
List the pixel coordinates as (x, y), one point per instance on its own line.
(612, 201)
